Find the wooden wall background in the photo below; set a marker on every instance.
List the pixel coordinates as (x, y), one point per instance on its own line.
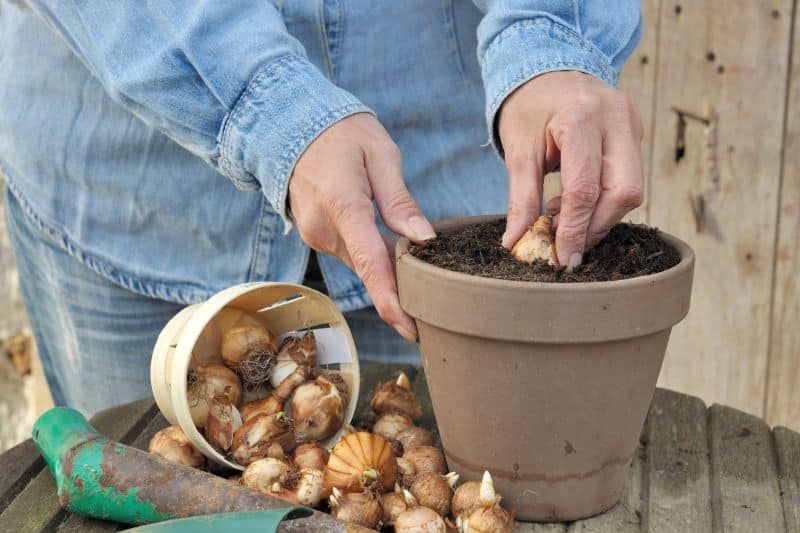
(718, 86)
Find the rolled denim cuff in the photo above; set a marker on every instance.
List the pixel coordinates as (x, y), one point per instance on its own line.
(286, 105)
(529, 48)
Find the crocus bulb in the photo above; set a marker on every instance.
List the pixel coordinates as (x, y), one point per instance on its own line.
(392, 505)
(361, 461)
(466, 499)
(489, 517)
(205, 381)
(317, 409)
(414, 436)
(262, 474)
(362, 508)
(311, 455)
(250, 350)
(294, 352)
(396, 397)
(223, 420)
(435, 491)
(263, 436)
(391, 424)
(308, 486)
(418, 519)
(172, 444)
(538, 243)
(426, 460)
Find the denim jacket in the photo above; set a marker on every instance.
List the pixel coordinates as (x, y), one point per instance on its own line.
(120, 120)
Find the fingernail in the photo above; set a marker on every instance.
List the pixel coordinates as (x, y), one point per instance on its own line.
(504, 241)
(420, 229)
(574, 261)
(406, 333)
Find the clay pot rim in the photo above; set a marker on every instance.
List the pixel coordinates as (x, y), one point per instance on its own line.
(403, 254)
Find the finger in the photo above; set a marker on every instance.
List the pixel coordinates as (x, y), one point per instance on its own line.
(395, 204)
(622, 187)
(581, 163)
(553, 206)
(370, 260)
(524, 190)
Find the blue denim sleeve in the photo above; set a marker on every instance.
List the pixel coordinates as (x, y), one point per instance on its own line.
(521, 39)
(223, 79)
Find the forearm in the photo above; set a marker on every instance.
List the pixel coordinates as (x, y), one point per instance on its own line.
(223, 79)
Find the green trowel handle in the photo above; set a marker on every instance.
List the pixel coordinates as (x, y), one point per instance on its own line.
(105, 479)
(244, 522)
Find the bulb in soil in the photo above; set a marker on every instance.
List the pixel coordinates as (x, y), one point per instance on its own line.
(294, 352)
(538, 243)
(318, 410)
(435, 491)
(418, 519)
(311, 455)
(396, 397)
(466, 499)
(361, 461)
(391, 424)
(392, 505)
(362, 508)
(223, 420)
(414, 436)
(426, 460)
(250, 350)
(489, 517)
(172, 444)
(263, 436)
(205, 381)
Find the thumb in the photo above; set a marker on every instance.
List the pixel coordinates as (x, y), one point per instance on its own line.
(398, 209)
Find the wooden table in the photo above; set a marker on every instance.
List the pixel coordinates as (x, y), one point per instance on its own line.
(696, 469)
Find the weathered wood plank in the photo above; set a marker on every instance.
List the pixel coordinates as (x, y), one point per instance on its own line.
(744, 476)
(37, 508)
(787, 453)
(677, 489)
(17, 467)
(723, 70)
(783, 395)
(638, 80)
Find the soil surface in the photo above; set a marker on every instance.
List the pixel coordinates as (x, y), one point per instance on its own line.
(628, 251)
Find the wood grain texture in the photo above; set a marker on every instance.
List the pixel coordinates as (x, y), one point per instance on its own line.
(677, 476)
(744, 475)
(639, 83)
(723, 70)
(37, 508)
(17, 467)
(783, 395)
(787, 455)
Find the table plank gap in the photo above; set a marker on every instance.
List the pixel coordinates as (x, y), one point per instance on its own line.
(677, 470)
(745, 477)
(36, 508)
(787, 452)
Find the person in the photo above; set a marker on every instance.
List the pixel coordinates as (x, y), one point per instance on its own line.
(119, 122)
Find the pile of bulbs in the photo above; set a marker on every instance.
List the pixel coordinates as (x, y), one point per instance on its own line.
(394, 476)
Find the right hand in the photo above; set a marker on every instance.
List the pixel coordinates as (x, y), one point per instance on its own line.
(331, 191)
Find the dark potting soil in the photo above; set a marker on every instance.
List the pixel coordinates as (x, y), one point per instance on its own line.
(628, 251)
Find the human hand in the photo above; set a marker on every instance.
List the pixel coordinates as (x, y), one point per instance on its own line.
(331, 191)
(595, 132)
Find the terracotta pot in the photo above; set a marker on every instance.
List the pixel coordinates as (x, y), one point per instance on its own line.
(546, 385)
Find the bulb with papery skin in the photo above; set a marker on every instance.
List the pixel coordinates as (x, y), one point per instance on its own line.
(317, 409)
(418, 519)
(361, 508)
(172, 444)
(537, 243)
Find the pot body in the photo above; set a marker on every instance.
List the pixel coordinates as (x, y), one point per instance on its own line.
(545, 385)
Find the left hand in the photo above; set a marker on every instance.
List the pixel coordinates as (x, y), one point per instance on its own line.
(595, 132)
